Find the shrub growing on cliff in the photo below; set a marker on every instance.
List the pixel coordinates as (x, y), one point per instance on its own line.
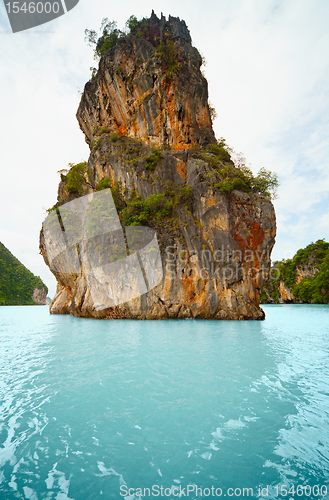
(139, 211)
(265, 183)
(219, 151)
(179, 196)
(185, 197)
(212, 112)
(228, 175)
(132, 24)
(228, 185)
(109, 37)
(155, 209)
(75, 179)
(168, 54)
(153, 159)
(104, 183)
(215, 154)
(98, 214)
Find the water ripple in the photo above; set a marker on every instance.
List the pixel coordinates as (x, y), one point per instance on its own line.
(88, 406)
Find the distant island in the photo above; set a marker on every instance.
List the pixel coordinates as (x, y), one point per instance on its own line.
(18, 286)
(302, 279)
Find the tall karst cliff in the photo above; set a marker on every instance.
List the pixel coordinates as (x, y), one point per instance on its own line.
(146, 118)
(149, 86)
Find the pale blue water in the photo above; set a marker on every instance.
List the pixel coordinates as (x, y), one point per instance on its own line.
(90, 406)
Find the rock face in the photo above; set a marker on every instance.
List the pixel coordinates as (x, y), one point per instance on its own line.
(215, 246)
(285, 294)
(39, 296)
(151, 90)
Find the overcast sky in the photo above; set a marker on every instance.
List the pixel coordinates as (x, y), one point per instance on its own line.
(268, 72)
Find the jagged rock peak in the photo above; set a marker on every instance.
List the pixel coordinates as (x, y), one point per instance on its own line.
(149, 86)
(174, 25)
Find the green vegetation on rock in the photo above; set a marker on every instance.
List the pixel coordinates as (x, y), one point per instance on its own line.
(104, 183)
(141, 212)
(75, 178)
(110, 35)
(152, 159)
(226, 176)
(155, 210)
(16, 282)
(168, 54)
(310, 266)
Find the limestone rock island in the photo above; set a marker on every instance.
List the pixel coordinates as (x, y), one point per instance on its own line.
(146, 118)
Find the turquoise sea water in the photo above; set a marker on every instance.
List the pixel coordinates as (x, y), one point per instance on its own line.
(95, 409)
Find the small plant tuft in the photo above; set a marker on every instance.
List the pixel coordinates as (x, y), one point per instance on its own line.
(104, 183)
(153, 159)
(168, 54)
(75, 179)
